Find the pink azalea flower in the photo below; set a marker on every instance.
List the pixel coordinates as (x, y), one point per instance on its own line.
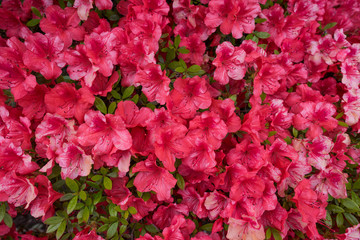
(154, 82)
(229, 63)
(63, 23)
(246, 228)
(153, 178)
(103, 132)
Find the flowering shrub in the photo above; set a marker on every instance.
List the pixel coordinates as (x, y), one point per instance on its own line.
(201, 119)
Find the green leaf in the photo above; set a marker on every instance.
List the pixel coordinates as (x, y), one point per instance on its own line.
(295, 132)
(67, 197)
(146, 196)
(103, 228)
(180, 181)
(183, 50)
(262, 35)
(72, 184)
(255, 39)
(72, 204)
(174, 64)
(135, 99)
(287, 140)
(66, 236)
(107, 183)
(263, 46)
(164, 35)
(2, 211)
(115, 94)
(182, 63)
(177, 41)
(53, 220)
(82, 195)
(350, 204)
(339, 115)
(268, 233)
(60, 231)
(249, 37)
(96, 178)
(151, 228)
(343, 124)
(112, 230)
(194, 68)
(260, 20)
(36, 12)
(86, 214)
(276, 52)
(97, 197)
(179, 69)
(61, 3)
(33, 22)
(335, 208)
(100, 105)
(355, 197)
(351, 219)
(356, 184)
(170, 55)
(8, 220)
(272, 133)
(132, 210)
(112, 107)
(329, 25)
(339, 219)
(207, 227)
(128, 91)
(52, 228)
(122, 229)
(276, 234)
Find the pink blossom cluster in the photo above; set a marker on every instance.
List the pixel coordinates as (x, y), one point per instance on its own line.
(261, 139)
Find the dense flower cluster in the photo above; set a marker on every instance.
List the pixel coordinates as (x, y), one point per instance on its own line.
(201, 119)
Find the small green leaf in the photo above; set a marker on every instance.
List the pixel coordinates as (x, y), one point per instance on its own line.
(272, 133)
(165, 35)
(262, 35)
(182, 63)
(115, 94)
(67, 197)
(103, 228)
(339, 219)
(255, 39)
(82, 195)
(36, 12)
(61, 3)
(151, 228)
(179, 69)
(122, 229)
(128, 91)
(276, 52)
(268, 233)
(97, 197)
(72, 184)
(356, 184)
(132, 210)
(329, 25)
(107, 183)
(2, 211)
(112, 230)
(249, 37)
(350, 204)
(170, 55)
(112, 107)
(100, 105)
(180, 181)
(194, 68)
(33, 22)
(351, 219)
(177, 41)
(66, 236)
(146, 196)
(207, 227)
(339, 115)
(8, 220)
(72, 205)
(53, 220)
(174, 64)
(343, 124)
(135, 99)
(60, 231)
(96, 178)
(355, 197)
(260, 20)
(183, 50)
(335, 208)
(52, 228)
(86, 214)
(263, 46)
(288, 140)
(295, 132)
(276, 234)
